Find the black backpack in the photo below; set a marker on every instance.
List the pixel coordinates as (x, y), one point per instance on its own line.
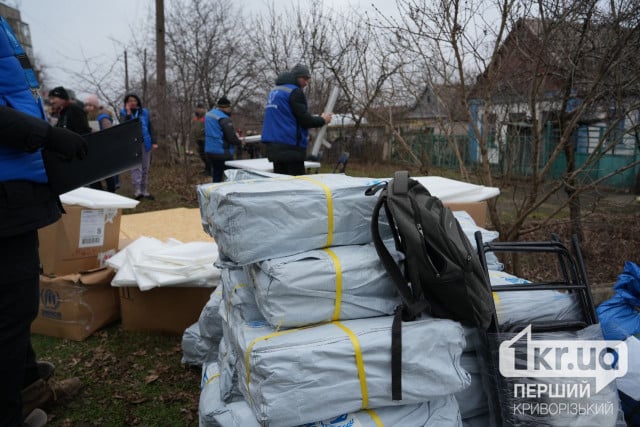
(443, 274)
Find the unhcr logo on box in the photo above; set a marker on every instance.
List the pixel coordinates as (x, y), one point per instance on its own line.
(50, 301)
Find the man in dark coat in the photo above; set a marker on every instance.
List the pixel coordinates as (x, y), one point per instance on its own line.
(287, 121)
(70, 115)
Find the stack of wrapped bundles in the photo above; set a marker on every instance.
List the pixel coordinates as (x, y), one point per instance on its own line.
(307, 312)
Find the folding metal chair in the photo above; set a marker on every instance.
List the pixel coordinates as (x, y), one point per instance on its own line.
(573, 279)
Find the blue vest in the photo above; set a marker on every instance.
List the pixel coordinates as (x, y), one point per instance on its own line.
(214, 142)
(19, 90)
(144, 121)
(280, 125)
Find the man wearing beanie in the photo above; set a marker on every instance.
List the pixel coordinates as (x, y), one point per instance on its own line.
(285, 130)
(70, 115)
(220, 138)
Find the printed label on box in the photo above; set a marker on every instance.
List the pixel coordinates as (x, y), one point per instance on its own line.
(91, 228)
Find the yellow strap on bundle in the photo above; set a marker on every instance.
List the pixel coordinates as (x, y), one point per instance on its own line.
(338, 268)
(359, 363)
(211, 379)
(327, 192)
(232, 293)
(376, 419)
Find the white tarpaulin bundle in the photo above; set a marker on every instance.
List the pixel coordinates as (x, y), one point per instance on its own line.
(345, 365)
(261, 219)
(238, 292)
(200, 341)
(338, 283)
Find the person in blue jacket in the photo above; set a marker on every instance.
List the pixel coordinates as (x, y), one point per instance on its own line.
(140, 176)
(220, 137)
(26, 204)
(285, 130)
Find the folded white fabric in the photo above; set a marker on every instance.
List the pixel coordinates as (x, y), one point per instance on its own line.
(337, 283)
(148, 263)
(267, 218)
(284, 374)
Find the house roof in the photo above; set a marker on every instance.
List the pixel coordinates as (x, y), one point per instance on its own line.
(439, 102)
(560, 55)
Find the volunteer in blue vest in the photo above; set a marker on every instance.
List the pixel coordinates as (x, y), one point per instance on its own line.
(220, 137)
(26, 204)
(140, 176)
(287, 121)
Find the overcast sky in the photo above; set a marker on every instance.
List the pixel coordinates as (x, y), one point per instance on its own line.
(66, 34)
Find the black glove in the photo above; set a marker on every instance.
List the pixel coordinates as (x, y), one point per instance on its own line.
(66, 144)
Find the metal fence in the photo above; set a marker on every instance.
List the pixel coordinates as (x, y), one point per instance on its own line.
(514, 156)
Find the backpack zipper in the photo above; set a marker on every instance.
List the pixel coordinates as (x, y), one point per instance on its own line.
(424, 247)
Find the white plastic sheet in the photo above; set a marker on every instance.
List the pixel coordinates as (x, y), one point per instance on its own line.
(97, 199)
(148, 263)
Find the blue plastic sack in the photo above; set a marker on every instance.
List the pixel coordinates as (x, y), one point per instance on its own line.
(619, 316)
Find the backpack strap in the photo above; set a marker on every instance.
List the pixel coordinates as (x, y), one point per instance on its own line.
(410, 308)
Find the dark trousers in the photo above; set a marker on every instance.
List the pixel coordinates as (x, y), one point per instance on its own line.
(203, 156)
(111, 184)
(289, 168)
(217, 169)
(19, 294)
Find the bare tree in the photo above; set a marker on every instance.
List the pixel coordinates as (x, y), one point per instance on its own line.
(524, 70)
(208, 56)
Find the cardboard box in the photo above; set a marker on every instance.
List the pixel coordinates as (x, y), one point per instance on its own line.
(168, 310)
(477, 210)
(82, 240)
(186, 226)
(76, 305)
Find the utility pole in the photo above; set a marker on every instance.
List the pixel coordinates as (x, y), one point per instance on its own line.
(161, 70)
(126, 72)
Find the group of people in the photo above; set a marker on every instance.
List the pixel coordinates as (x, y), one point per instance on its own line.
(69, 115)
(285, 130)
(27, 202)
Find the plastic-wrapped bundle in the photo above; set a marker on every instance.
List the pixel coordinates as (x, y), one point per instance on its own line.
(439, 412)
(531, 306)
(469, 227)
(338, 283)
(210, 402)
(261, 219)
(284, 374)
(210, 322)
(227, 359)
(472, 400)
(238, 291)
(200, 340)
(244, 174)
(194, 346)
